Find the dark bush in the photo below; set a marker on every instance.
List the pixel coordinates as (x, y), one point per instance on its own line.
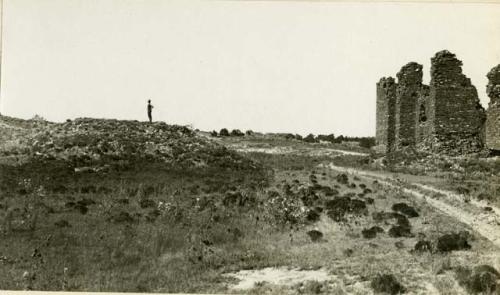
(367, 142)
(342, 178)
(387, 283)
(223, 132)
(328, 138)
(147, 203)
(62, 223)
(90, 189)
(405, 209)
(371, 232)
(213, 133)
(328, 191)
(423, 246)
(398, 231)
(340, 206)
(482, 279)
(452, 242)
(121, 217)
(315, 235)
(310, 138)
(237, 132)
(313, 215)
(249, 132)
(401, 220)
(59, 189)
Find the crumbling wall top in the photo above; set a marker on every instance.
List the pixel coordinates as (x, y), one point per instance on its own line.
(411, 73)
(493, 87)
(386, 82)
(447, 69)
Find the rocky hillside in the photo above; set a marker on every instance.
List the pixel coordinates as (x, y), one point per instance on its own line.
(101, 143)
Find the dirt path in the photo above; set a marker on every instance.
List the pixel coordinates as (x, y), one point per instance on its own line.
(486, 224)
(472, 213)
(291, 150)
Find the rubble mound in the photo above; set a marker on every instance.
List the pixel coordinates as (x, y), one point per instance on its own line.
(95, 142)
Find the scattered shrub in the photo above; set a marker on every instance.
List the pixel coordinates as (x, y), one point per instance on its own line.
(223, 132)
(398, 231)
(313, 215)
(387, 283)
(315, 235)
(482, 279)
(342, 178)
(62, 223)
(340, 206)
(371, 232)
(310, 138)
(147, 203)
(237, 132)
(423, 246)
(328, 138)
(367, 142)
(452, 242)
(405, 209)
(122, 217)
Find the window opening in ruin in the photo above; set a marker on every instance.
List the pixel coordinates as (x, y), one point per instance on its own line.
(422, 115)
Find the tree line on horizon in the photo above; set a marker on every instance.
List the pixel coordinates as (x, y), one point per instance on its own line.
(365, 141)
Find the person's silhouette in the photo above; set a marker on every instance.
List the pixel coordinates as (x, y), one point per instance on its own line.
(150, 111)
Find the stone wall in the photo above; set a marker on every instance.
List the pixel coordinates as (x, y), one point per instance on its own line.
(444, 116)
(458, 117)
(493, 113)
(407, 95)
(386, 98)
(424, 129)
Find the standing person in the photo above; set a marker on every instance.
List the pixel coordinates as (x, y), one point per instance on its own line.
(150, 111)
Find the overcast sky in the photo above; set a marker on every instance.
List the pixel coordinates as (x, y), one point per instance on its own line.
(267, 66)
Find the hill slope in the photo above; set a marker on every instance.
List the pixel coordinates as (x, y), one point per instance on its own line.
(99, 142)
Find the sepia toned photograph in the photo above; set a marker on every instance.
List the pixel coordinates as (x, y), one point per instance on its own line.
(249, 147)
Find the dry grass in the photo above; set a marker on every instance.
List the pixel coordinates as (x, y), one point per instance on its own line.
(153, 229)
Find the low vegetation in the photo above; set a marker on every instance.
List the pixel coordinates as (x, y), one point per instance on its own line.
(182, 219)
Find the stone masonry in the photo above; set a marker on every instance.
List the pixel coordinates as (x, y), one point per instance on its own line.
(407, 96)
(493, 113)
(386, 92)
(444, 117)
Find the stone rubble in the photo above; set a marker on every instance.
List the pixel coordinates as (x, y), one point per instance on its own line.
(90, 142)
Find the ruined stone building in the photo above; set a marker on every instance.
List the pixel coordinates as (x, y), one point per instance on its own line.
(444, 116)
(493, 113)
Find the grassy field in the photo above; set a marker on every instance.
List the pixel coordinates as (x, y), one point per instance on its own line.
(150, 226)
